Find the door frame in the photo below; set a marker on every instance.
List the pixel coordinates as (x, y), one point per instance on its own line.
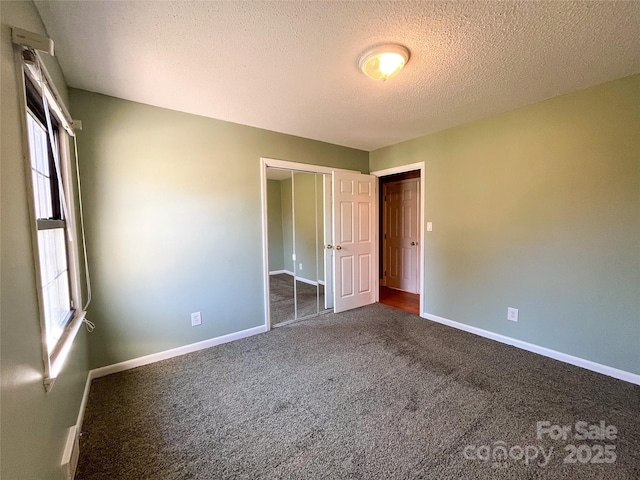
(288, 165)
(403, 169)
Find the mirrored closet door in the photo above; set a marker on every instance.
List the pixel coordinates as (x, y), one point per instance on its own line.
(299, 241)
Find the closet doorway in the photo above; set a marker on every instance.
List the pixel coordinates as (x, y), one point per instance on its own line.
(320, 240)
(299, 230)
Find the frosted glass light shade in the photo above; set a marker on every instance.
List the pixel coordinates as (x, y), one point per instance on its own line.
(383, 62)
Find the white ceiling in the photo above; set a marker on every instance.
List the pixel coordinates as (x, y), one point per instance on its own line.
(292, 66)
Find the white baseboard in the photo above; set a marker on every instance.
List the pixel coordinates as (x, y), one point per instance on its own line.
(307, 281)
(156, 357)
(547, 352)
(279, 272)
(83, 403)
(71, 454)
(300, 279)
(174, 352)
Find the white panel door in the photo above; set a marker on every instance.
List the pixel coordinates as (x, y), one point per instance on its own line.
(355, 259)
(400, 243)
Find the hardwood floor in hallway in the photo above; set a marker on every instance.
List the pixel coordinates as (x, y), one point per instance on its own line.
(409, 302)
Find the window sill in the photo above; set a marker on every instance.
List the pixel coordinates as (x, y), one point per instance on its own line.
(58, 358)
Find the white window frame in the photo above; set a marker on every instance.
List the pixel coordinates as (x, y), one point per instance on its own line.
(54, 361)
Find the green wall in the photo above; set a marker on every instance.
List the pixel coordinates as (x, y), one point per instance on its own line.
(173, 217)
(34, 423)
(308, 197)
(287, 223)
(538, 209)
(274, 222)
(308, 225)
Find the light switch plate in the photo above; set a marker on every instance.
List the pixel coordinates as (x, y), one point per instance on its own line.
(196, 319)
(429, 227)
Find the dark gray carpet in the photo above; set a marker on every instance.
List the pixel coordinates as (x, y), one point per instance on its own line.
(281, 298)
(373, 393)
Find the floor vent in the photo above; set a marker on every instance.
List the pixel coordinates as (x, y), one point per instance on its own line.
(70, 455)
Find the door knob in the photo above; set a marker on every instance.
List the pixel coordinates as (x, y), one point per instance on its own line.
(329, 247)
(338, 247)
(414, 243)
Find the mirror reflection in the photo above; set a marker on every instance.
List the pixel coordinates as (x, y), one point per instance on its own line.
(298, 258)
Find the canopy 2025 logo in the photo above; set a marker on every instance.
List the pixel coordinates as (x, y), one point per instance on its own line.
(500, 454)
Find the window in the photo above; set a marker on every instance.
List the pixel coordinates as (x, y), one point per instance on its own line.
(51, 221)
(55, 245)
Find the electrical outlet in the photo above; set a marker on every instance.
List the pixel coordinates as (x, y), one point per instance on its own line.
(512, 314)
(300, 265)
(196, 319)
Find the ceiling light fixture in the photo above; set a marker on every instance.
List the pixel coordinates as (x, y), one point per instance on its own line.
(384, 61)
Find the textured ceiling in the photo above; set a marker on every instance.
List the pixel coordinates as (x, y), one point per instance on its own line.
(292, 66)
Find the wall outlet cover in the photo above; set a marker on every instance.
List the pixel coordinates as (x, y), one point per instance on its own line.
(196, 319)
(512, 314)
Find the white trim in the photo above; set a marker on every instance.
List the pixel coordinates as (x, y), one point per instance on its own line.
(299, 278)
(26, 154)
(376, 240)
(307, 281)
(302, 167)
(46, 86)
(73, 241)
(281, 272)
(83, 403)
(403, 169)
(546, 352)
(327, 257)
(59, 357)
(265, 244)
(70, 455)
(174, 352)
(293, 242)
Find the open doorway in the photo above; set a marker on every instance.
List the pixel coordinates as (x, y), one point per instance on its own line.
(400, 237)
